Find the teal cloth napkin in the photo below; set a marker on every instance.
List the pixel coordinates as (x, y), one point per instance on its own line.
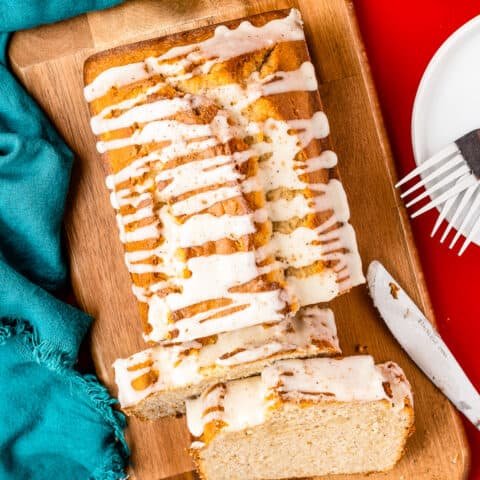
(55, 424)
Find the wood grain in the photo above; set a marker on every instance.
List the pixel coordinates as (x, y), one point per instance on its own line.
(49, 61)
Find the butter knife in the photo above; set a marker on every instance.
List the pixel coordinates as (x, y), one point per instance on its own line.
(422, 343)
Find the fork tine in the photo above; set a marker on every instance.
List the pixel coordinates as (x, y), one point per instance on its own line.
(464, 183)
(432, 161)
(468, 240)
(446, 208)
(463, 170)
(466, 195)
(466, 220)
(444, 168)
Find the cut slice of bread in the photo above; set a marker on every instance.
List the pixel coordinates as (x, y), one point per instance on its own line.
(303, 418)
(155, 382)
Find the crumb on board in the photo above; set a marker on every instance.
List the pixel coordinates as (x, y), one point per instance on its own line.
(359, 348)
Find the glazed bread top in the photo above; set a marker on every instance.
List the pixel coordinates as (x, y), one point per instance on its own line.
(220, 171)
(242, 404)
(172, 365)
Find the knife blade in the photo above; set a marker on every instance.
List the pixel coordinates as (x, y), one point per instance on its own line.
(422, 343)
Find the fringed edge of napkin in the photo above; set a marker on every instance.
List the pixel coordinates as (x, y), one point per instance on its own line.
(47, 354)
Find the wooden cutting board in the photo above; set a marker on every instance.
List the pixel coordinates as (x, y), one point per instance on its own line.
(49, 62)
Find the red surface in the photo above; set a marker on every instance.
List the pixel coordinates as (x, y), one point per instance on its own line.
(401, 38)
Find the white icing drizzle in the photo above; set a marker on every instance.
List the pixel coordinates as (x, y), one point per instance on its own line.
(207, 228)
(350, 379)
(211, 409)
(133, 170)
(296, 80)
(171, 131)
(302, 79)
(320, 287)
(280, 82)
(278, 171)
(226, 43)
(176, 198)
(188, 363)
(308, 129)
(141, 233)
(298, 248)
(326, 159)
(261, 306)
(140, 214)
(223, 45)
(228, 271)
(283, 209)
(115, 77)
(144, 113)
(203, 173)
(249, 402)
(124, 105)
(201, 201)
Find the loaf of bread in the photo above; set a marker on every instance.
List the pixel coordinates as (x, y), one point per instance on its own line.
(235, 227)
(226, 191)
(303, 418)
(155, 383)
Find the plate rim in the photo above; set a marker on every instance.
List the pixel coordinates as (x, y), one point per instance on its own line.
(429, 73)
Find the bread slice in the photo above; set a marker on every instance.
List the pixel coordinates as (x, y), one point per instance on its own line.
(303, 418)
(221, 173)
(155, 383)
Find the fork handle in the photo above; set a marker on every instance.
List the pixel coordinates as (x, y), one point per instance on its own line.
(469, 146)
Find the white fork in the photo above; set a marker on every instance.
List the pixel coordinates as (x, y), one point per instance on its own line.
(456, 170)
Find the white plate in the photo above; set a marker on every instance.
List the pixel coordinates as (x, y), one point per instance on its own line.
(447, 104)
